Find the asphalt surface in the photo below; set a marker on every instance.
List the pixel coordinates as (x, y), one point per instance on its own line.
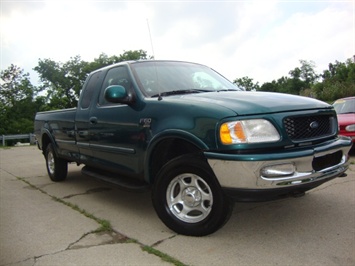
(46, 223)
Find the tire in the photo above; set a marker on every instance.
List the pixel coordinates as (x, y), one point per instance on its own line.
(188, 198)
(57, 168)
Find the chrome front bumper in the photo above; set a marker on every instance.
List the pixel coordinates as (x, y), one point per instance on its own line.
(238, 172)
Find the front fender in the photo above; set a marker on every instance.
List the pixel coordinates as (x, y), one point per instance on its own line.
(172, 134)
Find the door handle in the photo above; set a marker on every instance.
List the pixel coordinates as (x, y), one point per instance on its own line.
(93, 120)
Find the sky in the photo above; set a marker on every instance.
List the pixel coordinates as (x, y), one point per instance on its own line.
(262, 39)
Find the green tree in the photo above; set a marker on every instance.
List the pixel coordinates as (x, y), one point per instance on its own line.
(246, 83)
(302, 78)
(338, 81)
(299, 81)
(62, 82)
(105, 60)
(308, 74)
(17, 104)
(281, 85)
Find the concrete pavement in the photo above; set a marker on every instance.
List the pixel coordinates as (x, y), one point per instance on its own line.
(46, 223)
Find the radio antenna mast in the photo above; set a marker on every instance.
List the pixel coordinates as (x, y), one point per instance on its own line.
(156, 71)
(150, 37)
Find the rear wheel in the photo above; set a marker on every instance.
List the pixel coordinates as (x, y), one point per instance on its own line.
(188, 198)
(57, 168)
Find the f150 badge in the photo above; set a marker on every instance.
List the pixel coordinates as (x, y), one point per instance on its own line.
(145, 122)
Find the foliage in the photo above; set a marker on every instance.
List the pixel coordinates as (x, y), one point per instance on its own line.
(301, 79)
(17, 103)
(246, 84)
(62, 82)
(60, 88)
(336, 82)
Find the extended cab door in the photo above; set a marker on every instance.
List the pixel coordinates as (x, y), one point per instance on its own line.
(82, 121)
(116, 137)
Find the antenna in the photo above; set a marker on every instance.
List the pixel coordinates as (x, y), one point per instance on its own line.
(156, 71)
(150, 37)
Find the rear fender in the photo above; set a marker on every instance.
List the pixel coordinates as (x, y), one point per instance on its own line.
(46, 139)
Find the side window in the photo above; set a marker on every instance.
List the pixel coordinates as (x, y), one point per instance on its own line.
(115, 76)
(89, 90)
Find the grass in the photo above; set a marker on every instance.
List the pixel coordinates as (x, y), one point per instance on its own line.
(5, 147)
(162, 255)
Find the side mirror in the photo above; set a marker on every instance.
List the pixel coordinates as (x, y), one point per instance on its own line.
(117, 94)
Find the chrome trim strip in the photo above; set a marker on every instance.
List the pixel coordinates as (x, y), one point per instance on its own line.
(83, 144)
(113, 149)
(71, 142)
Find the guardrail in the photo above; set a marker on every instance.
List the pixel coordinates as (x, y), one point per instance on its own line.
(29, 136)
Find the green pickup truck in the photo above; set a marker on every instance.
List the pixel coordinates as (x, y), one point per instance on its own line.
(197, 141)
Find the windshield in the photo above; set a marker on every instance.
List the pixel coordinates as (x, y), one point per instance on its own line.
(343, 106)
(170, 78)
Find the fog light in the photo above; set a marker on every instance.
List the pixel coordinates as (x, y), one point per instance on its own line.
(279, 170)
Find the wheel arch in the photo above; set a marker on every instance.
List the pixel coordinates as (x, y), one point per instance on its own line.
(46, 139)
(167, 146)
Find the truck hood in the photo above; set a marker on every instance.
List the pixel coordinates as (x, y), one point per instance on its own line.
(248, 103)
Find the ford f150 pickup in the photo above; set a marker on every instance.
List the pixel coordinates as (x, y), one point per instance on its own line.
(192, 137)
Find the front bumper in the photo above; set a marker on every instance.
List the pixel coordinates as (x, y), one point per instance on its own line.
(244, 172)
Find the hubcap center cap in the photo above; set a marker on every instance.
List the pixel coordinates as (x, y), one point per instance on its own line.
(191, 197)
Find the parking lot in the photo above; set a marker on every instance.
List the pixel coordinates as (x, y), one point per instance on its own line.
(83, 221)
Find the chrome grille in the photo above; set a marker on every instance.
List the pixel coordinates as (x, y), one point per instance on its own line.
(310, 127)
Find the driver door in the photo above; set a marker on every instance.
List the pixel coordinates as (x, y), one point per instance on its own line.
(115, 133)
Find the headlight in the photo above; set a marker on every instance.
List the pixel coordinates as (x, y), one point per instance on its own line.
(350, 128)
(248, 131)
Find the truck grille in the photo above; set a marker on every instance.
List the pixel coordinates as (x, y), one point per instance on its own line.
(310, 127)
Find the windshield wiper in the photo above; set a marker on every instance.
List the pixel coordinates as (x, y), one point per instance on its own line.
(227, 90)
(177, 92)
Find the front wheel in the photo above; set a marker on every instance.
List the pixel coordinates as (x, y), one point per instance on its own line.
(188, 198)
(57, 168)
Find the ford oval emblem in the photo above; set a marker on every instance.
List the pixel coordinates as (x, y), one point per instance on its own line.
(314, 125)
